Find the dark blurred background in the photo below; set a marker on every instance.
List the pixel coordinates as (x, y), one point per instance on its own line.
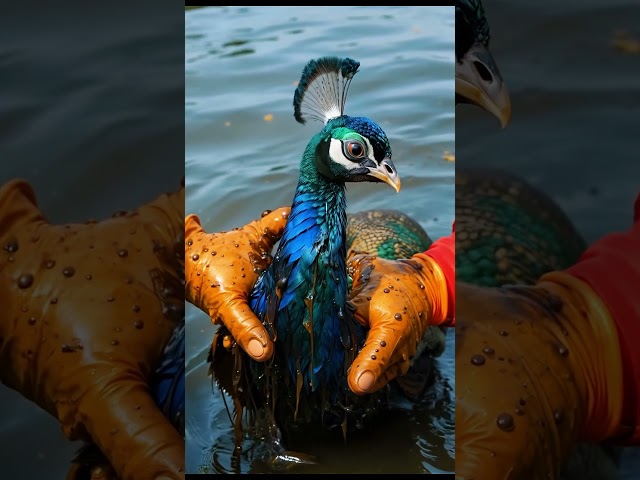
(573, 71)
(92, 115)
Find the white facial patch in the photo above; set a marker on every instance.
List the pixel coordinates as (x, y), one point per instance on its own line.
(336, 154)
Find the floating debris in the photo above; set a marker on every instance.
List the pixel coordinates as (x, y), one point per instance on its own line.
(624, 42)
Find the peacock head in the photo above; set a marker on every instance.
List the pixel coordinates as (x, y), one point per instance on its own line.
(347, 149)
(478, 80)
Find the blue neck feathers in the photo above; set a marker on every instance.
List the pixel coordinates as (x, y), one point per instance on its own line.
(303, 293)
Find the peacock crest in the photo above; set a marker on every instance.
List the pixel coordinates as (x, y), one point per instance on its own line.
(322, 89)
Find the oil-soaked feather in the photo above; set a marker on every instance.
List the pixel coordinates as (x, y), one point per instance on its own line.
(271, 317)
(222, 363)
(322, 90)
(305, 248)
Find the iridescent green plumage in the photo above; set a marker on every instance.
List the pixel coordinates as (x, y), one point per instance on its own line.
(508, 232)
(388, 234)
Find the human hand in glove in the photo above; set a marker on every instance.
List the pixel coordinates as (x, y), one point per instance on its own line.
(539, 368)
(398, 300)
(221, 270)
(87, 312)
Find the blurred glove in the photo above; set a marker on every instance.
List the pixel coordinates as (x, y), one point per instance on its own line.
(540, 368)
(88, 310)
(221, 270)
(398, 300)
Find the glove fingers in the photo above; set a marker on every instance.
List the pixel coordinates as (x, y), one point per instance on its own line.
(386, 305)
(247, 330)
(381, 359)
(133, 433)
(516, 409)
(221, 270)
(398, 366)
(272, 224)
(192, 226)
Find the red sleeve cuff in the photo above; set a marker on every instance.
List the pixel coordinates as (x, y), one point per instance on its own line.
(611, 267)
(443, 252)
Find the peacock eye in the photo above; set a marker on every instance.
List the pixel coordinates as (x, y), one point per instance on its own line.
(354, 149)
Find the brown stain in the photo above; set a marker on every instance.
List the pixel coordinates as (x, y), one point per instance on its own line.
(170, 291)
(309, 324)
(299, 382)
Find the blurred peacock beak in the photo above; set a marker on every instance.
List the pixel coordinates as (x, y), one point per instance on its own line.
(478, 81)
(386, 171)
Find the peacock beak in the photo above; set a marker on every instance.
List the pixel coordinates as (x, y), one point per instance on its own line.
(386, 172)
(478, 81)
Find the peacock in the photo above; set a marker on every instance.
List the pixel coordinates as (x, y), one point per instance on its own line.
(478, 79)
(302, 297)
(508, 232)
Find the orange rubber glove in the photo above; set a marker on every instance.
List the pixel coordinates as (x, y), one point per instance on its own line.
(540, 368)
(88, 309)
(398, 300)
(221, 270)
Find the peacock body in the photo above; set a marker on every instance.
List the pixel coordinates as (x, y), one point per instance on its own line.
(302, 297)
(168, 390)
